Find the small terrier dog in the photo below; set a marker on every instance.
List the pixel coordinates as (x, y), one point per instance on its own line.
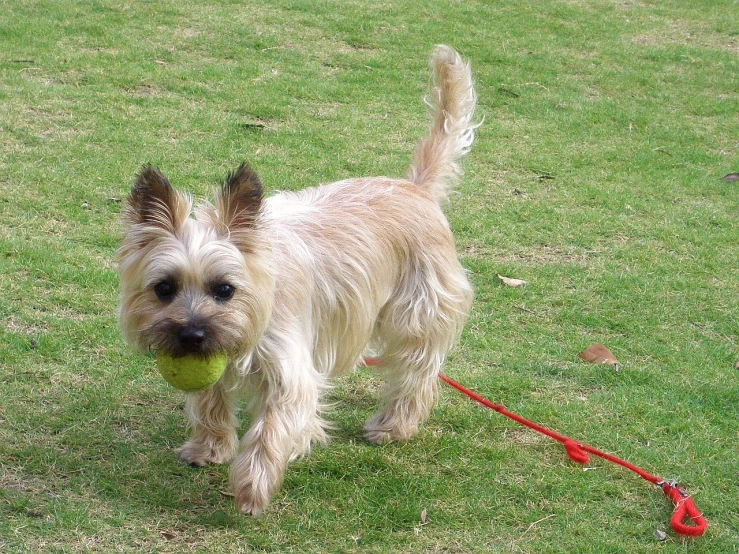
(297, 288)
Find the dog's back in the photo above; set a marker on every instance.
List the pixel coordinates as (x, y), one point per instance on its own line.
(371, 252)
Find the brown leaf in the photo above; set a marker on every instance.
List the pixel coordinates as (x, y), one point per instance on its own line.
(598, 354)
(508, 281)
(424, 516)
(731, 178)
(169, 535)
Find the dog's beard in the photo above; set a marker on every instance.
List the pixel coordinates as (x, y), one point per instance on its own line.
(194, 320)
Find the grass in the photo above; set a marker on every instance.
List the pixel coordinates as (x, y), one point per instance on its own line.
(596, 178)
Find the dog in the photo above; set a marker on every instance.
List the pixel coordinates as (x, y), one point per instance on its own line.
(299, 287)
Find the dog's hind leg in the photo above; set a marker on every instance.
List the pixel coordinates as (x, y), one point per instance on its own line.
(416, 330)
(409, 394)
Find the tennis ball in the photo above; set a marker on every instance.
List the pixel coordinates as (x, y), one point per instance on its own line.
(191, 373)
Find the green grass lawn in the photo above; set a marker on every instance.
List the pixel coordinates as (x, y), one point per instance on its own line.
(596, 177)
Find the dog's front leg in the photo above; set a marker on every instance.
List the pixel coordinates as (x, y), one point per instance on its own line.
(276, 435)
(285, 405)
(211, 417)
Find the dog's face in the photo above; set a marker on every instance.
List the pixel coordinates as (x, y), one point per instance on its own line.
(194, 285)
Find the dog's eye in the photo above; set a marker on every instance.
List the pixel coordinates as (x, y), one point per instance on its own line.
(223, 292)
(165, 290)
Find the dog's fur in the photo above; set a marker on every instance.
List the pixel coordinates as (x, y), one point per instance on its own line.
(296, 288)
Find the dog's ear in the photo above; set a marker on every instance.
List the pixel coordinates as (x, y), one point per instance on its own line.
(240, 200)
(238, 205)
(154, 203)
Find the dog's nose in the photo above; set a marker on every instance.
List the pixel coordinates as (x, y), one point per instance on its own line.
(192, 336)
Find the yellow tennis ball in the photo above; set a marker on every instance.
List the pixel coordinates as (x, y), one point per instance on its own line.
(191, 373)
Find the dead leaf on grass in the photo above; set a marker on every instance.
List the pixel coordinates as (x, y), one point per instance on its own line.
(731, 178)
(424, 517)
(598, 354)
(509, 282)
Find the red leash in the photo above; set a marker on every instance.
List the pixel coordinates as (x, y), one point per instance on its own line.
(578, 452)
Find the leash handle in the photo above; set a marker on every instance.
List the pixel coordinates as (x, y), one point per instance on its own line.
(684, 508)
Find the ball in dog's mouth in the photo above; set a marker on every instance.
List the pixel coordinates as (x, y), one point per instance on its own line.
(191, 373)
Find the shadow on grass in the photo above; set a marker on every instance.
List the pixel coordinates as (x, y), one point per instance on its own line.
(109, 454)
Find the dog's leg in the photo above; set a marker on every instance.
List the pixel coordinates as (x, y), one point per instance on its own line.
(418, 328)
(212, 418)
(286, 420)
(257, 472)
(410, 392)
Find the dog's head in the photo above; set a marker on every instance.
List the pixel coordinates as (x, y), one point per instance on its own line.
(194, 283)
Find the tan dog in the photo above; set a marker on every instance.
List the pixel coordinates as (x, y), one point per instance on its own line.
(296, 288)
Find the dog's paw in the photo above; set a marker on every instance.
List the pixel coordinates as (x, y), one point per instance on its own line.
(382, 428)
(200, 453)
(377, 436)
(249, 502)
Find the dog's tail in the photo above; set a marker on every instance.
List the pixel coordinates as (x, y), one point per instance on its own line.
(452, 102)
